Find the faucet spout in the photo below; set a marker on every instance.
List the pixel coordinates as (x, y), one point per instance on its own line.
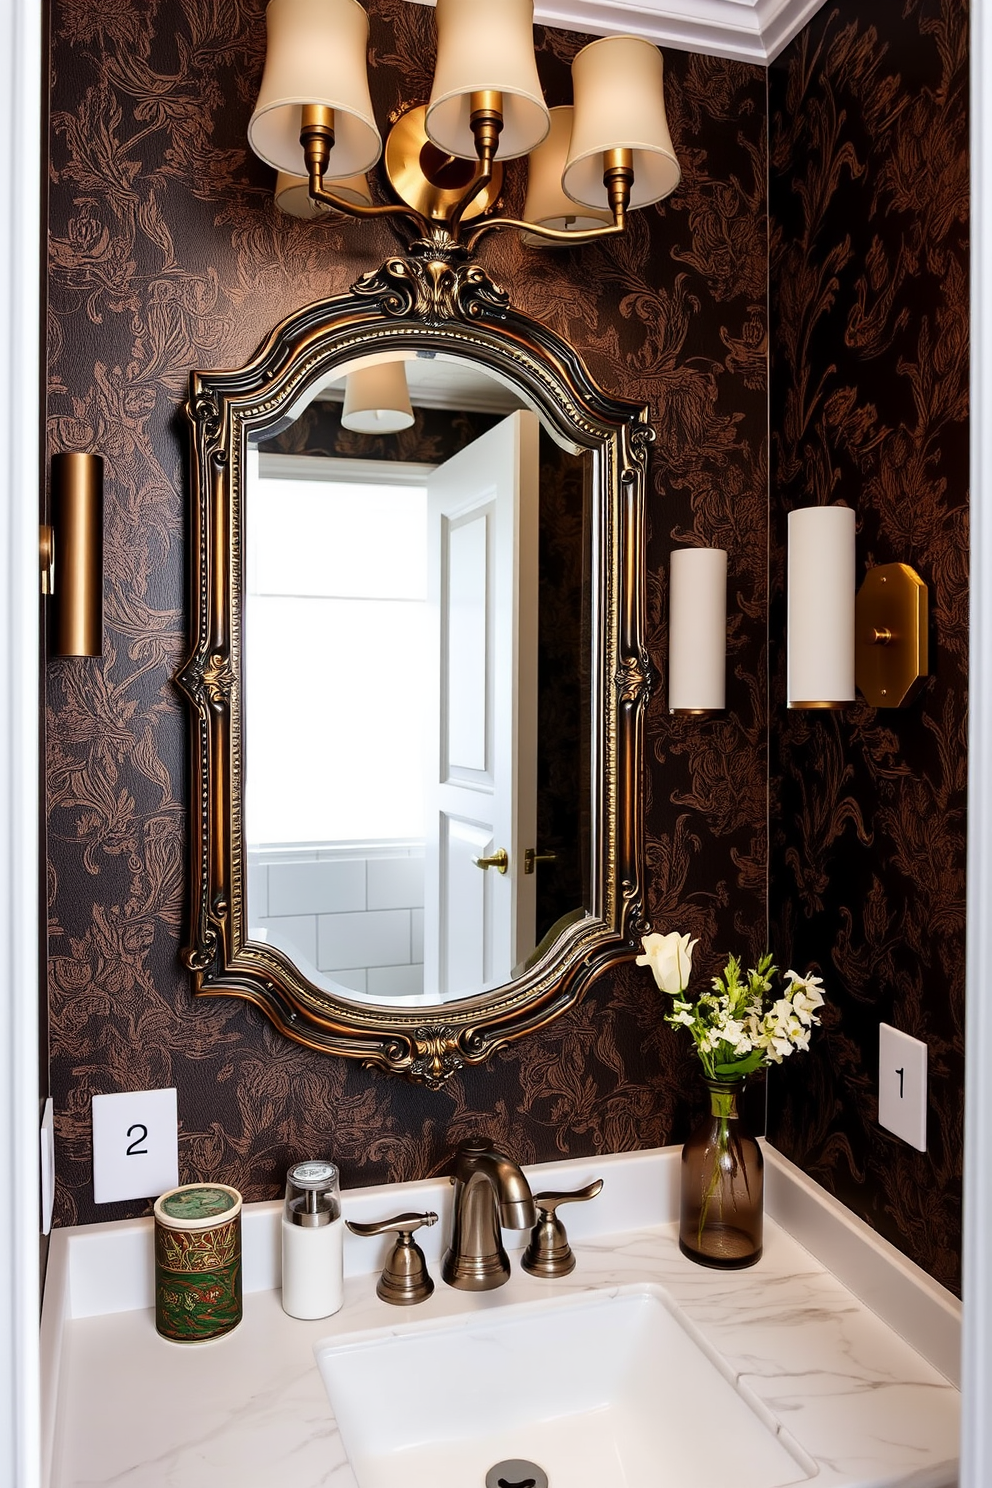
(490, 1191)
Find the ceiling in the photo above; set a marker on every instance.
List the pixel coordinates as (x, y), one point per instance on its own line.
(748, 30)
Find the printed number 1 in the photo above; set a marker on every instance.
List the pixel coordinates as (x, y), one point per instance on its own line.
(134, 1150)
(899, 1072)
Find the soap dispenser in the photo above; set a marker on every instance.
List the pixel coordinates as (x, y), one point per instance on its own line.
(312, 1241)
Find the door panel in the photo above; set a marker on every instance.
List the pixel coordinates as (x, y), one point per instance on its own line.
(482, 768)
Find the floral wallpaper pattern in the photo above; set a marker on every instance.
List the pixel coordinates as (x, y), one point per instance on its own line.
(166, 253)
(869, 398)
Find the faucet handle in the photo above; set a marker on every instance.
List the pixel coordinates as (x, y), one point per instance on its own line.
(549, 1253)
(404, 1278)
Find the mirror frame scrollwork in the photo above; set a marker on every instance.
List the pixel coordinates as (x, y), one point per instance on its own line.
(433, 298)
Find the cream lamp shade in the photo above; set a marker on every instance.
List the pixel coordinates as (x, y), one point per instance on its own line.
(293, 197)
(697, 630)
(618, 88)
(377, 400)
(821, 607)
(318, 54)
(484, 46)
(546, 202)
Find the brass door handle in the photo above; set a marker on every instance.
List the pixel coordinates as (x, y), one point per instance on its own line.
(499, 860)
(532, 857)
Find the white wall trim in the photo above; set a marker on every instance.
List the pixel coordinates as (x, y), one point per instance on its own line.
(976, 1429)
(745, 30)
(20, 250)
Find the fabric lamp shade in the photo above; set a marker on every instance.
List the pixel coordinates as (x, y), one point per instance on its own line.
(317, 54)
(377, 400)
(697, 630)
(618, 87)
(546, 202)
(293, 197)
(485, 47)
(821, 607)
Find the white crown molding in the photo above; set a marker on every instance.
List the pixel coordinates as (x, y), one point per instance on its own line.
(745, 30)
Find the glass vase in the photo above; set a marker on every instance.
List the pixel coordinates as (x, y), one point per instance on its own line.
(721, 1208)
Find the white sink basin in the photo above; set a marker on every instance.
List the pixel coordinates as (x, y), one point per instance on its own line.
(600, 1389)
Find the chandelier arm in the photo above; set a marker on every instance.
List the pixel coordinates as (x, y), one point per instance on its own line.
(554, 234)
(320, 193)
(486, 123)
(477, 184)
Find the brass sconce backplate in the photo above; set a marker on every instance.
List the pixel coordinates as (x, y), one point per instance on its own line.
(429, 180)
(890, 622)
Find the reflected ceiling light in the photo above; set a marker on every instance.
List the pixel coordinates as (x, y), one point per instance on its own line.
(697, 630)
(292, 195)
(313, 119)
(377, 400)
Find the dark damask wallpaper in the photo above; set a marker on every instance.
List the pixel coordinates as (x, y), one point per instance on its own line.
(869, 403)
(166, 253)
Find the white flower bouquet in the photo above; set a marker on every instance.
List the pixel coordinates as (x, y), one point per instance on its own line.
(741, 1025)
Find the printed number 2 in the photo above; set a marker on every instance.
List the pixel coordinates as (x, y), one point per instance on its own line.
(134, 1150)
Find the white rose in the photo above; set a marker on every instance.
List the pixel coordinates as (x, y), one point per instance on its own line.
(670, 959)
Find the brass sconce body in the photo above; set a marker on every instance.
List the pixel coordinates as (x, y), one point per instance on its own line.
(75, 553)
(891, 658)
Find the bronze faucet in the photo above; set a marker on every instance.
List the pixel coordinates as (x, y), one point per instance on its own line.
(490, 1190)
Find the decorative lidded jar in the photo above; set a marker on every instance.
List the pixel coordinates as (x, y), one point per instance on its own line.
(197, 1262)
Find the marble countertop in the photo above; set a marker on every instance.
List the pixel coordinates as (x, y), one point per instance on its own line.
(859, 1405)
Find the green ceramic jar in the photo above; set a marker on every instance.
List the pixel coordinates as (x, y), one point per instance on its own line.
(197, 1262)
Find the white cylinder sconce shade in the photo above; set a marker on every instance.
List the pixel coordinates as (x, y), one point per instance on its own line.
(697, 630)
(377, 400)
(482, 47)
(318, 54)
(821, 607)
(546, 202)
(618, 87)
(292, 195)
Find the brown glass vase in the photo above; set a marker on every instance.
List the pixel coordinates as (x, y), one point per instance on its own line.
(722, 1191)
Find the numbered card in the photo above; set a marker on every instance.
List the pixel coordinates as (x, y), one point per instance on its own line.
(135, 1145)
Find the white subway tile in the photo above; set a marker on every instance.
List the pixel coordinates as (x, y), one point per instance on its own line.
(377, 938)
(354, 980)
(294, 934)
(258, 891)
(416, 935)
(396, 883)
(316, 888)
(395, 981)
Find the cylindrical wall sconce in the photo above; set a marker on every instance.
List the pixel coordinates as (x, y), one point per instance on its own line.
(77, 523)
(821, 607)
(697, 630)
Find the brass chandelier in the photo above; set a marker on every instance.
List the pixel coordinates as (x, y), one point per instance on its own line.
(592, 163)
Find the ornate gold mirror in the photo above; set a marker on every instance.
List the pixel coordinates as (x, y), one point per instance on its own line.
(307, 602)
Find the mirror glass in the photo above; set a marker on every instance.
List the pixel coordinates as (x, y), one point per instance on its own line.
(416, 671)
